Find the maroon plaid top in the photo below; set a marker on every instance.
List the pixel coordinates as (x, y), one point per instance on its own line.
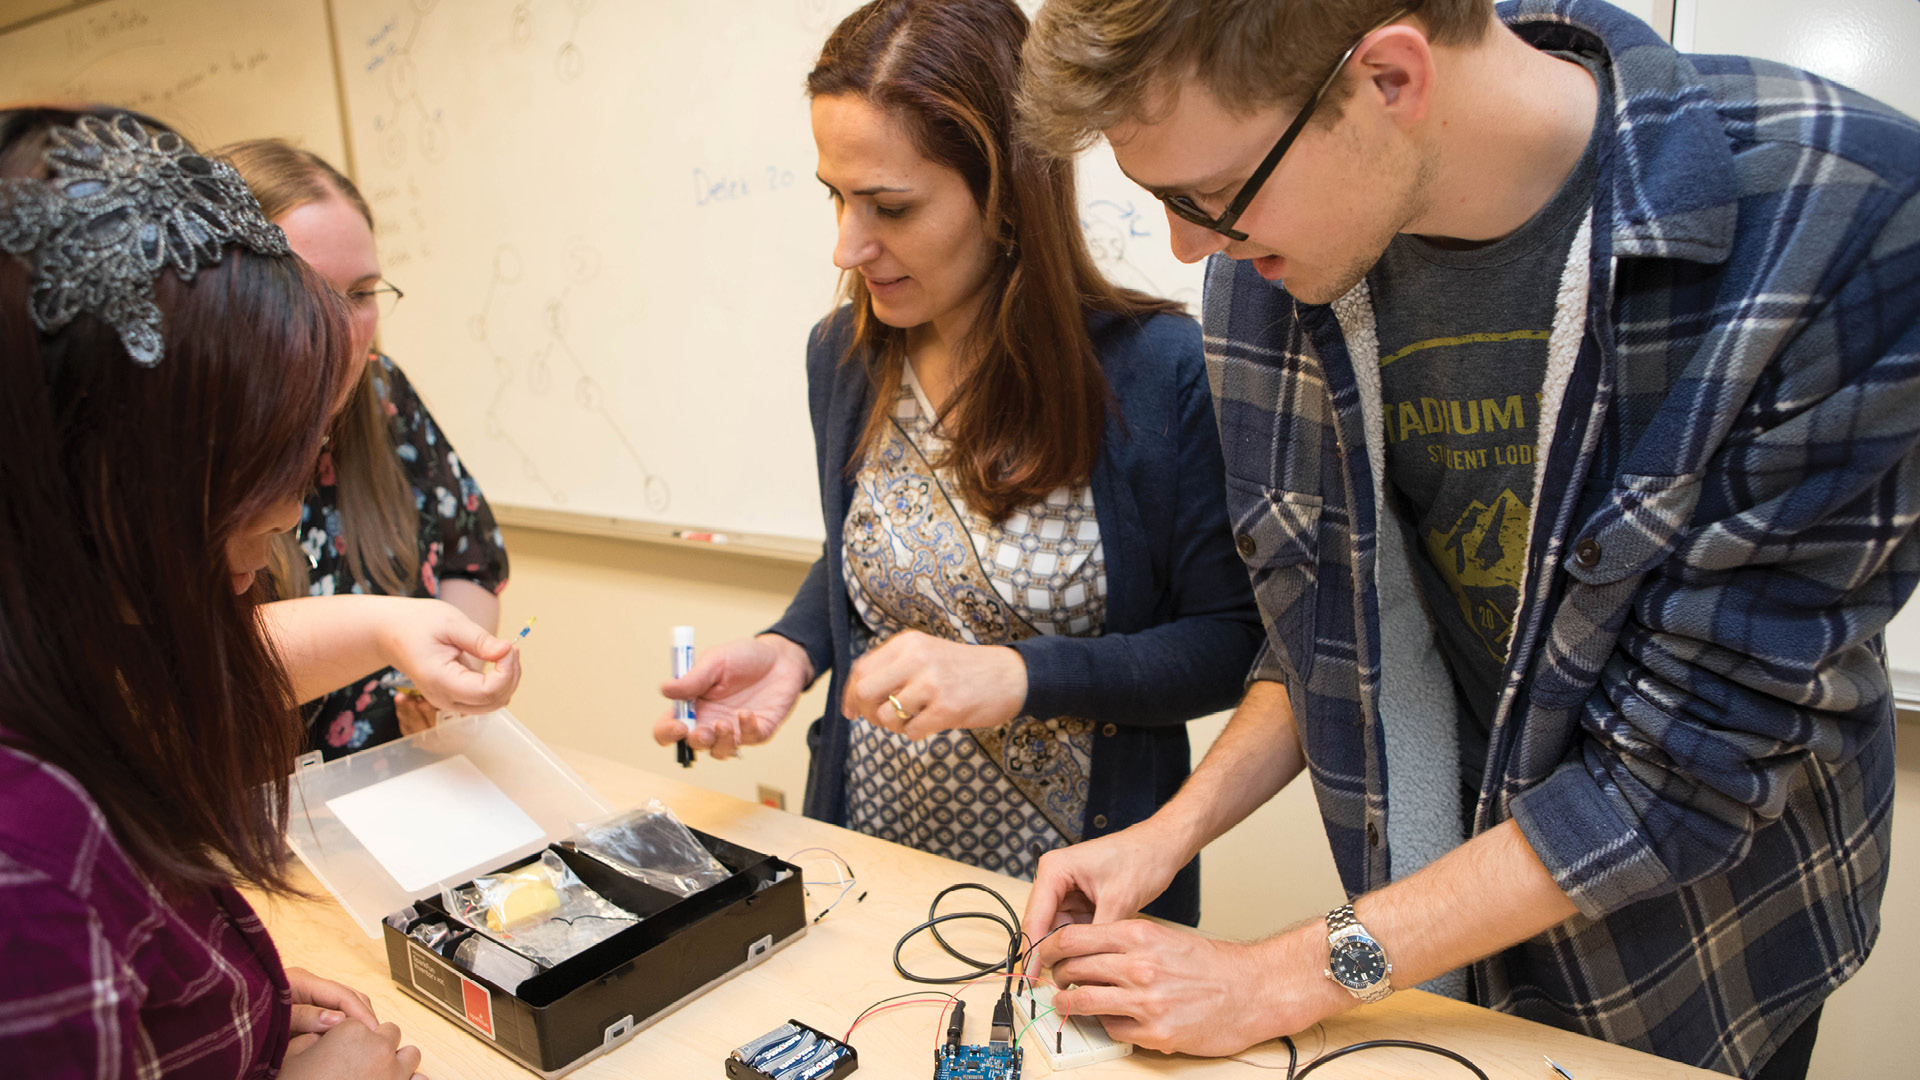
(104, 977)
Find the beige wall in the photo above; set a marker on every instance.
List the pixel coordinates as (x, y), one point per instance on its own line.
(595, 662)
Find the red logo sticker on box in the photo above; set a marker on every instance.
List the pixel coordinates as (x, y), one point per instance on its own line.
(479, 1005)
(458, 994)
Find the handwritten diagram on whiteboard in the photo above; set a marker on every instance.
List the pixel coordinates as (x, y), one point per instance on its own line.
(613, 248)
(216, 72)
(600, 210)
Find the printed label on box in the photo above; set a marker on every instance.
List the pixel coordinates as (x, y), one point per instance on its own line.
(479, 1005)
(462, 996)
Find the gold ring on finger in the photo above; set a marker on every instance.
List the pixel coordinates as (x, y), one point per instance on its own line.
(899, 710)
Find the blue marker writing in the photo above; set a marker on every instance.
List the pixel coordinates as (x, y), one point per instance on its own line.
(683, 710)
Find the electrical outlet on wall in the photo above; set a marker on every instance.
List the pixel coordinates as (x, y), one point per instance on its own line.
(771, 796)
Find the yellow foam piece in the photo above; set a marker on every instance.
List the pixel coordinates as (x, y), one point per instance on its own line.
(525, 895)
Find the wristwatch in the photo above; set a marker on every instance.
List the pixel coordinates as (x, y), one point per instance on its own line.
(1354, 960)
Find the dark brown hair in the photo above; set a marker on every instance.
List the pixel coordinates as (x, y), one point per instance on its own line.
(1092, 65)
(378, 519)
(1029, 408)
(125, 657)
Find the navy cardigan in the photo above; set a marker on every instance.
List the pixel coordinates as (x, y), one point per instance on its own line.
(1181, 626)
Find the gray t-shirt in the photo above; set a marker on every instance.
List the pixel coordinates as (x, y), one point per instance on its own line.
(1463, 351)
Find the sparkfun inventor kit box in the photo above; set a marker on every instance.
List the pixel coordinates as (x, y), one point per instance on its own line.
(393, 830)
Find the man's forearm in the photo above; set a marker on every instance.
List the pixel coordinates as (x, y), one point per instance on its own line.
(1256, 755)
(1484, 896)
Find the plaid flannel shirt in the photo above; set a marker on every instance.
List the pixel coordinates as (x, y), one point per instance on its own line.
(1696, 729)
(106, 979)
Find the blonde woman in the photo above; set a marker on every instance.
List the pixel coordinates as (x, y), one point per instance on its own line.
(393, 510)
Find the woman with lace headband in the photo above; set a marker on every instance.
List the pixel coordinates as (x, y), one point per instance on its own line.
(1028, 586)
(394, 511)
(167, 372)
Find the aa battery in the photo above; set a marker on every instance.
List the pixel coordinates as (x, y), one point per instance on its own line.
(753, 1049)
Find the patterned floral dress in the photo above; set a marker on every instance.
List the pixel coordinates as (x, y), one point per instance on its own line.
(458, 538)
(917, 558)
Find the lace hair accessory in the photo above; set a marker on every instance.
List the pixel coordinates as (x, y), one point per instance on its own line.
(123, 204)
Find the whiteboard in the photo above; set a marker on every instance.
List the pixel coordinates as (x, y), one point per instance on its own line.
(1866, 44)
(215, 71)
(613, 247)
(603, 216)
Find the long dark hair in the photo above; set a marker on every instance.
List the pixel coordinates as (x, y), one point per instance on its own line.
(378, 520)
(125, 657)
(1027, 414)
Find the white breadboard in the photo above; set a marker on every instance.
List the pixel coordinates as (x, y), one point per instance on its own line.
(1068, 1044)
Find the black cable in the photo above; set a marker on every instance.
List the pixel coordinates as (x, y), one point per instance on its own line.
(1377, 1044)
(1013, 922)
(977, 967)
(602, 918)
(1293, 1059)
(1035, 947)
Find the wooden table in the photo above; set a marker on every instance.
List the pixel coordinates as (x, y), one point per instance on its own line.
(844, 963)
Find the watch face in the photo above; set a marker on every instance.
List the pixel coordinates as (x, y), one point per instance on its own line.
(1357, 965)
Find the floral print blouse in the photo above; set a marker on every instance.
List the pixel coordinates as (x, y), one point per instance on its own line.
(458, 538)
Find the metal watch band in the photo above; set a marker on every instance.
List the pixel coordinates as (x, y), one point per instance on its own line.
(1341, 923)
(1376, 995)
(1341, 918)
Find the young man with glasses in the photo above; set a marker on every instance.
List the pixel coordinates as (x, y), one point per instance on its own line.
(1569, 389)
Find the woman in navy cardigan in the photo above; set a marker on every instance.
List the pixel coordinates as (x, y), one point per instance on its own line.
(1028, 585)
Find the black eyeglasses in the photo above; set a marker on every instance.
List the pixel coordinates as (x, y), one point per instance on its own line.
(1188, 210)
(387, 295)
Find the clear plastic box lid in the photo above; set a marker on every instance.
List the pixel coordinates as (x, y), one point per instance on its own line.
(400, 821)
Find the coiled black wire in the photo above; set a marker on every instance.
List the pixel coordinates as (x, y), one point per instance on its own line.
(976, 967)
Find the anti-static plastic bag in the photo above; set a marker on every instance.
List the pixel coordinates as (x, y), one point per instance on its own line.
(541, 911)
(652, 845)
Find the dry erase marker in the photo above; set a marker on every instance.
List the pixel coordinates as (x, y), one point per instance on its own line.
(702, 537)
(683, 710)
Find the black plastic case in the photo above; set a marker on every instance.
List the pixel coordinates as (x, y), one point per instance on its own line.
(498, 797)
(585, 1006)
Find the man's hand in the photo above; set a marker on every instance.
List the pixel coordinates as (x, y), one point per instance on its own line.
(1112, 878)
(1103, 880)
(1174, 990)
